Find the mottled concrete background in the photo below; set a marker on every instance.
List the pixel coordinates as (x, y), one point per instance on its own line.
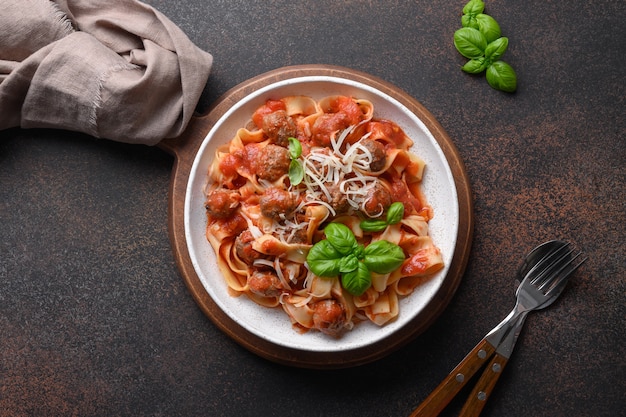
(96, 321)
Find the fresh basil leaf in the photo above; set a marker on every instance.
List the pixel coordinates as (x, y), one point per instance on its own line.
(383, 257)
(488, 26)
(296, 172)
(501, 76)
(348, 264)
(373, 225)
(474, 7)
(470, 42)
(395, 213)
(323, 250)
(475, 66)
(469, 21)
(358, 281)
(295, 148)
(341, 237)
(324, 260)
(327, 268)
(359, 252)
(496, 49)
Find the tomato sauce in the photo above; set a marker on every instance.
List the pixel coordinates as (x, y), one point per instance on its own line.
(272, 247)
(238, 161)
(270, 106)
(233, 225)
(400, 192)
(387, 129)
(325, 125)
(228, 165)
(251, 157)
(416, 264)
(342, 113)
(348, 107)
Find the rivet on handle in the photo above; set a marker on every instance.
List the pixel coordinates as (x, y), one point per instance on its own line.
(482, 354)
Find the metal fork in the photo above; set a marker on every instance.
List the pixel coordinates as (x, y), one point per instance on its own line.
(539, 289)
(542, 284)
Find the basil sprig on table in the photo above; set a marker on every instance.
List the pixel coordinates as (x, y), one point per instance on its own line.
(340, 255)
(296, 170)
(481, 42)
(395, 213)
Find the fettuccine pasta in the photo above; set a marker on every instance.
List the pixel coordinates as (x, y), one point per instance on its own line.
(262, 223)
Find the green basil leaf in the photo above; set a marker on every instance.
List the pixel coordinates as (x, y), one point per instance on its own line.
(358, 281)
(341, 237)
(496, 49)
(474, 7)
(359, 252)
(296, 172)
(295, 148)
(373, 225)
(501, 76)
(395, 213)
(469, 21)
(324, 260)
(470, 42)
(383, 257)
(348, 264)
(475, 66)
(488, 26)
(327, 268)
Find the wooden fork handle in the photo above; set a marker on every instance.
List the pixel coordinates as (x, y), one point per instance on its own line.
(482, 391)
(452, 384)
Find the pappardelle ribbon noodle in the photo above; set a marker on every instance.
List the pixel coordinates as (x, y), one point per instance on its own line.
(298, 166)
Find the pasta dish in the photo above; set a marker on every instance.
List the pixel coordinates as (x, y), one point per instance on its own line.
(315, 207)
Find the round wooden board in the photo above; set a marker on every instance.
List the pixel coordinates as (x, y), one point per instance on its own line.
(184, 149)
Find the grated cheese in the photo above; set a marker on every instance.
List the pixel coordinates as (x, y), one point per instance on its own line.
(342, 168)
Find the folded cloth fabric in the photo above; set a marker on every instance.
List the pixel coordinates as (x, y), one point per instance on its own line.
(114, 69)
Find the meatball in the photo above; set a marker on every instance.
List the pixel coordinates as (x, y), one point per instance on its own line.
(326, 124)
(273, 162)
(278, 127)
(329, 317)
(222, 203)
(338, 200)
(299, 236)
(265, 283)
(243, 248)
(378, 200)
(276, 201)
(379, 156)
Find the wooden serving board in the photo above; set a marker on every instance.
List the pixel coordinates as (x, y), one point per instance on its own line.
(185, 148)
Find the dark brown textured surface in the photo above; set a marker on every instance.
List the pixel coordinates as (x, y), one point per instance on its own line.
(95, 319)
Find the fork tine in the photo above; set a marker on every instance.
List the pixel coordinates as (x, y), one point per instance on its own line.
(551, 272)
(555, 261)
(547, 259)
(563, 274)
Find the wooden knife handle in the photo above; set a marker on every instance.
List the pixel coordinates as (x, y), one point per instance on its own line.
(482, 391)
(452, 384)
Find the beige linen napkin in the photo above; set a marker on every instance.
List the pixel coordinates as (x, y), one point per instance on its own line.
(114, 69)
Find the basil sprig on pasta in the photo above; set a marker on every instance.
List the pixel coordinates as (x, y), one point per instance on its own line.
(481, 42)
(340, 255)
(395, 213)
(296, 170)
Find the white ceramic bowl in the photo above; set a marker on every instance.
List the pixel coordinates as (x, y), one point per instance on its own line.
(273, 325)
